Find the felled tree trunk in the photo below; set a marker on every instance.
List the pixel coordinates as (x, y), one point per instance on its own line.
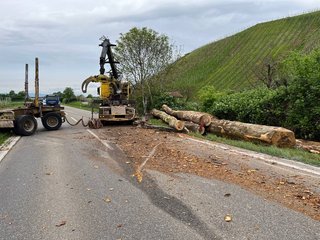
(200, 118)
(172, 121)
(277, 136)
(194, 127)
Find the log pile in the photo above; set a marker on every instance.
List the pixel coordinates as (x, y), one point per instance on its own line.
(203, 119)
(201, 122)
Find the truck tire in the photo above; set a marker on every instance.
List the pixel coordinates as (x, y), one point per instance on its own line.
(25, 125)
(51, 121)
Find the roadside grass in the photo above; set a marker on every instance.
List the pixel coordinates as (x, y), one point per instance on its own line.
(288, 153)
(4, 135)
(9, 105)
(81, 105)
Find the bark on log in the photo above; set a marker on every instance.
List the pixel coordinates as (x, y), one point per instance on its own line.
(172, 121)
(194, 127)
(277, 136)
(201, 118)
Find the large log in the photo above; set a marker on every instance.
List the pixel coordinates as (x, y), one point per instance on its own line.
(277, 136)
(194, 127)
(200, 118)
(172, 121)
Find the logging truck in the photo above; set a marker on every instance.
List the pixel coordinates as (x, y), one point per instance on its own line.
(23, 119)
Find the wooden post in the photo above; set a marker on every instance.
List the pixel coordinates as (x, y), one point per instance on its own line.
(26, 84)
(36, 83)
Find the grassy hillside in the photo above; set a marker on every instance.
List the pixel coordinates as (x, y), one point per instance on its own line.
(229, 63)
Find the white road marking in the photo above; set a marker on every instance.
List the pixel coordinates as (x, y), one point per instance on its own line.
(147, 159)
(7, 146)
(73, 119)
(279, 161)
(104, 142)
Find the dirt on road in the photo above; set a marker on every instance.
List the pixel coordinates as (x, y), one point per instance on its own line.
(172, 153)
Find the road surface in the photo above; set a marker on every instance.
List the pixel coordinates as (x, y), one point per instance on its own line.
(73, 184)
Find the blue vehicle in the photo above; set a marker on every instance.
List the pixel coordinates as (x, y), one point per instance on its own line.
(51, 100)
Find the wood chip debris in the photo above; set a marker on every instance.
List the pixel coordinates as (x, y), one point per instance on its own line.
(62, 223)
(228, 218)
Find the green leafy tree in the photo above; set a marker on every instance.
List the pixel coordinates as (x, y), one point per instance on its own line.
(12, 94)
(60, 94)
(21, 95)
(142, 53)
(68, 95)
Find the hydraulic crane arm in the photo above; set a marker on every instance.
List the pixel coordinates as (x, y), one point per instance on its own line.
(86, 82)
(110, 85)
(107, 57)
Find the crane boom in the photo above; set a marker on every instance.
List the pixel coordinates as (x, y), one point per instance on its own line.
(107, 57)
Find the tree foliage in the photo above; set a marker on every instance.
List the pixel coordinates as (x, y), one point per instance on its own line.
(12, 95)
(68, 95)
(142, 53)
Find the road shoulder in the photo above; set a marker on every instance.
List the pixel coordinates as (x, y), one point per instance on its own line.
(8, 145)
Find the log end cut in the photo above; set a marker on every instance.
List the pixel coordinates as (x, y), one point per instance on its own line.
(205, 120)
(283, 138)
(179, 125)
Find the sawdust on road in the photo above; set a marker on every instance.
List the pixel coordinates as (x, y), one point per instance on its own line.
(172, 153)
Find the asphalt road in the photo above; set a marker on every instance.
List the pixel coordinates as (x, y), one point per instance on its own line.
(68, 184)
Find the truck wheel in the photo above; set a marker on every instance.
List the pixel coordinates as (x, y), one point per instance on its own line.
(51, 121)
(25, 125)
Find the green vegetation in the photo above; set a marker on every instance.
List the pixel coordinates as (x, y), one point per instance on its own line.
(12, 96)
(68, 95)
(4, 135)
(142, 53)
(82, 105)
(293, 105)
(230, 64)
(10, 104)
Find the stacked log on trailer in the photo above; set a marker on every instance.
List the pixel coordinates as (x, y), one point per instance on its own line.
(277, 136)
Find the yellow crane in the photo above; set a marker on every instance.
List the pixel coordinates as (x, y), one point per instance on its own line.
(115, 103)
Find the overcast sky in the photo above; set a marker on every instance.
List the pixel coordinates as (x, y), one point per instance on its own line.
(65, 34)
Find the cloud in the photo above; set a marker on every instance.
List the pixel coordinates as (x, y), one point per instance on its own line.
(64, 34)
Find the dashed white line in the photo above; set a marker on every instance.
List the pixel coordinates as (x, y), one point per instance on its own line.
(73, 119)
